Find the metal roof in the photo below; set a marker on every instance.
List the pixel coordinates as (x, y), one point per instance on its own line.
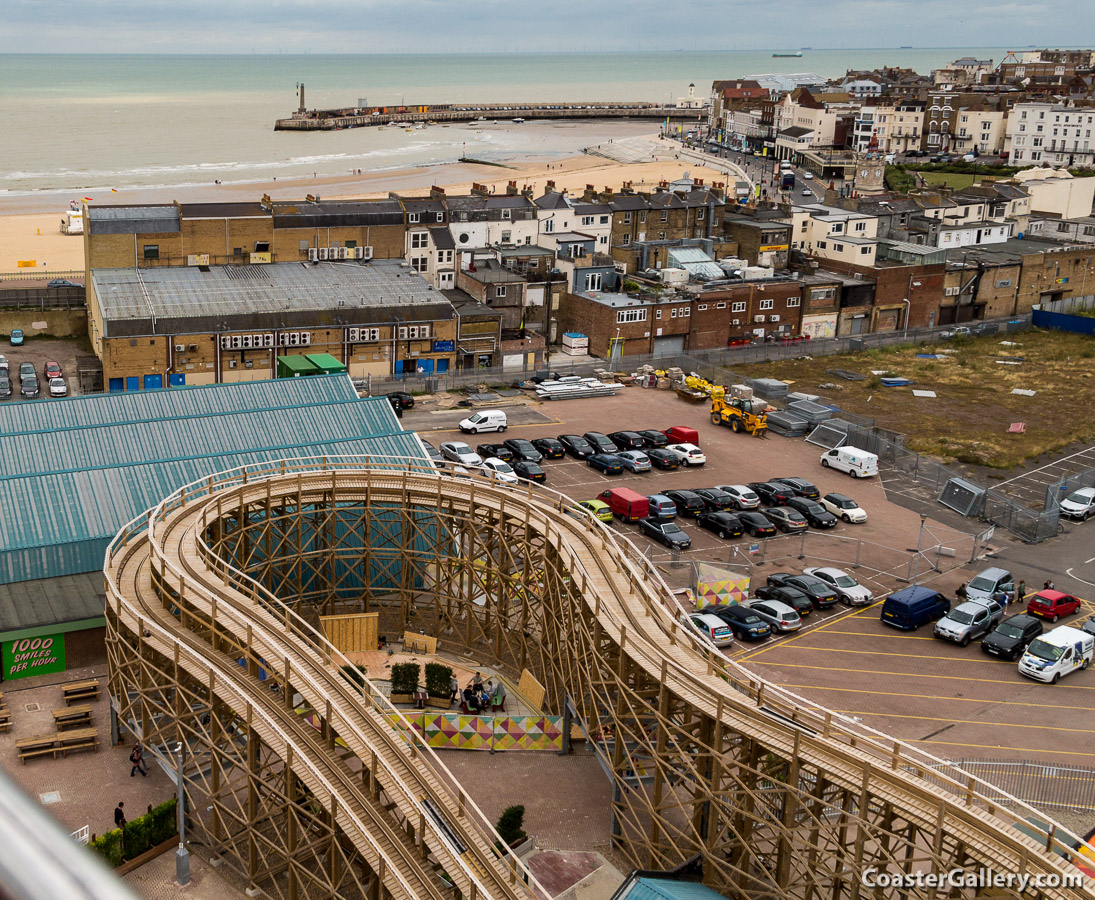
(645, 888)
(133, 219)
(695, 261)
(84, 466)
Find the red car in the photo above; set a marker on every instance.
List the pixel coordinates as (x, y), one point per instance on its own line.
(51, 370)
(1052, 605)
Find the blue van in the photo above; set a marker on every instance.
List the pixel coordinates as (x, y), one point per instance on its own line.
(912, 607)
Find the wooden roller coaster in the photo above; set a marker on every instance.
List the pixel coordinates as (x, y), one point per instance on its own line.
(310, 784)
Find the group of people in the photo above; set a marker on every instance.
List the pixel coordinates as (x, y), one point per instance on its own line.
(1003, 597)
(479, 695)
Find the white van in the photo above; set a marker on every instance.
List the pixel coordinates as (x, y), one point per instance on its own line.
(1052, 656)
(857, 463)
(484, 420)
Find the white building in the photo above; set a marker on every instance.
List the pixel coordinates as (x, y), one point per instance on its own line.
(980, 131)
(829, 232)
(1057, 192)
(1060, 135)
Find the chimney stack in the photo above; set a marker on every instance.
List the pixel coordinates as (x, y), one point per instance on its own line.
(511, 189)
(479, 190)
(437, 193)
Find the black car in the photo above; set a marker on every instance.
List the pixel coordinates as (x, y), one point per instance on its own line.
(541, 377)
(715, 498)
(800, 487)
(1088, 626)
(1012, 636)
(577, 446)
(400, 400)
(745, 623)
(63, 282)
(786, 519)
(600, 442)
(498, 451)
(522, 449)
(816, 515)
(668, 533)
(435, 455)
(551, 448)
(663, 459)
(688, 503)
(654, 440)
(757, 524)
(627, 440)
(606, 463)
(817, 590)
(29, 387)
(771, 493)
(798, 600)
(523, 468)
(5, 387)
(724, 524)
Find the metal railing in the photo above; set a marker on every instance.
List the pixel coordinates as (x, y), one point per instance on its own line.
(1045, 785)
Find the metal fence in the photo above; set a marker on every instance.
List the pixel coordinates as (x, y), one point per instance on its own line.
(43, 298)
(1057, 492)
(1040, 784)
(40, 274)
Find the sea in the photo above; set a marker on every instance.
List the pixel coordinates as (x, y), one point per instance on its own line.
(77, 125)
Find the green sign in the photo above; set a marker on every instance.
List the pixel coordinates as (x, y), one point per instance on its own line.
(33, 656)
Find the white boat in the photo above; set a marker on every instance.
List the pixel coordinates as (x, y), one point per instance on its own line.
(518, 121)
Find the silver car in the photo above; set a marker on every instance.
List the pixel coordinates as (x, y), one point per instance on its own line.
(850, 591)
(634, 460)
(459, 452)
(744, 496)
(777, 614)
(969, 620)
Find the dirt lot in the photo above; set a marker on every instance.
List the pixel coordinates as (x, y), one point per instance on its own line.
(968, 419)
(39, 352)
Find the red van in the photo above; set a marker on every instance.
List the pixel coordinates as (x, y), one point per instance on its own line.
(626, 504)
(1052, 605)
(681, 434)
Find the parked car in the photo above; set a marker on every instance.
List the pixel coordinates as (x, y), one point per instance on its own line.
(716, 498)
(969, 620)
(1052, 605)
(634, 460)
(653, 439)
(26, 370)
(3, 364)
(771, 493)
(800, 487)
(914, 606)
(51, 370)
(822, 595)
(576, 446)
(1088, 625)
(682, 434)
(844, 508)
(600, 442)
(777, 614)
(400, 400)
(668, 533)
(799, 601)
(1059, 653)
(530, 471)
(815, 514)
(957, 331)
(724, 524)
(434, 454)
(5, 386)
(661, 507)
(744, 497)
(498, 451)
(757, 524)
(17, 337)
(606, 463)
(627, 440)
(989, 583)
(1079, 504)
(550, 448)
(522, 449)
(29, 387)
(58, 387)
(787, 520)
(688, 503)
(626, 504)
(713, 629)
(598, 508)
(850, 591)
(663, 459)
(743, 622)
(851, 460)
(485, 420)
(62, 283)
(688, 454)
(459, 452)
(1012, 637)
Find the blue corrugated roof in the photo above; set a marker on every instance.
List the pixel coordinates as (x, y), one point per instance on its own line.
(77, 470)
(668, 889)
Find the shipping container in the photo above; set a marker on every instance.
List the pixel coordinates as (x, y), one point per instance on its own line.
(326, 363)
(295, 365)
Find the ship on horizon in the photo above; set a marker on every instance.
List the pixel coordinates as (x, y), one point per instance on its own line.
(781, 55)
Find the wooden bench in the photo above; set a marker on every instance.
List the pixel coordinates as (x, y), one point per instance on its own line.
(72, 717)
(5, 718)
(36, 746)
(80, 690)
(79, 739)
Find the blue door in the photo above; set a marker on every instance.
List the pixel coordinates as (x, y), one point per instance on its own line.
(116, 384)
(442, 366)
(153, 381)
(132, 383)
(177, 379)
(399, 367)
(426, 365)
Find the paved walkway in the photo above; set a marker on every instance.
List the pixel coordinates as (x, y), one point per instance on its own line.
(155, 880)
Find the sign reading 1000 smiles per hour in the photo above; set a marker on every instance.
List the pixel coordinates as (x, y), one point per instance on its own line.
(40, 655)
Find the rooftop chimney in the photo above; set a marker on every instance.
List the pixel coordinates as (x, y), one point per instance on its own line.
(549, 187)
(437, 193)
(589, 194)
(480, 190)
(511, 189)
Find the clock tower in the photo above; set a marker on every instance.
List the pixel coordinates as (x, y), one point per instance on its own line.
(870, 170)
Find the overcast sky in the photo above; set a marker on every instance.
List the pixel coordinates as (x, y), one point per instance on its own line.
(348, 26)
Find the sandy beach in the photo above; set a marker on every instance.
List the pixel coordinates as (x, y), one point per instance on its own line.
(30, 232)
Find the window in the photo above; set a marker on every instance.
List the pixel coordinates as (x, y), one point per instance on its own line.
(700, 214)
(440, 217)
(673, 313)
(414, 218)
(627, 218)
(549, 226)
(822, 245)
(661, 235)
(587, 220)
(836, 228)
(642, 216)
(627, 239)
(624, 316)
(420, 263)
(603, 239)
(604, 220)
(658, 314)
(686, 311)
(793, 302)
(350, 244)
(720, 305)
(420, 240)
(507, 236)
(593, 281)
(151, 251)
(864, 250)
(860, 226)
(739, 306)
(767, 304)
(828, 293)
(507, 213)
(838, 248)
(499, 290)
(701, 307)
(665, 215)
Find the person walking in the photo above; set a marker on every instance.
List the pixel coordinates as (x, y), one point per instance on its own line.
(454, 687)
(119, 815)
(960, 592)
(1021, 591)
(136, 760)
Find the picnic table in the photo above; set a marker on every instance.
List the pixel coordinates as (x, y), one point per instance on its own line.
(79, 739)
(72, 716)
(39, 745)
(59, 742)
(80, 690)
(5, 718)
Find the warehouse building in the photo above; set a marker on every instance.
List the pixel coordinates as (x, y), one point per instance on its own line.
(77, 470)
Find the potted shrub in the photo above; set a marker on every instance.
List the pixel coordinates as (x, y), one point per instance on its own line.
(404, 682)
(438, 685)
(510, 826)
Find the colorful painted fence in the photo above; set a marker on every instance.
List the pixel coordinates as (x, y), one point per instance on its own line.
(455, 731)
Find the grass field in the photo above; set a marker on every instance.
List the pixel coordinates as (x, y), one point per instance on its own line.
(969, 418)
(956, 180)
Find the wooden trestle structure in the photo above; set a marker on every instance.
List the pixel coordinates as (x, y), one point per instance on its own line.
(311, 785)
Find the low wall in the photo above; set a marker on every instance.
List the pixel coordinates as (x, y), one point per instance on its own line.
(58, 323)
(1063, 322)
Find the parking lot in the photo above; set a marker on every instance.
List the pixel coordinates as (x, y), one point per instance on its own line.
(954, 702)
(38, 352)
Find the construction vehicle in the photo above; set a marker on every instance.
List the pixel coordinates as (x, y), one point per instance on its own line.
(741, 415)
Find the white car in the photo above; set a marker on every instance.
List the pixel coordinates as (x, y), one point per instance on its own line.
(808, 176)
(58, 387)
(844, 508)
(459, 452)
(501, 470)
(687, 454)
(850, 591)
(1079, 504)
(711, 628)
(744, 496)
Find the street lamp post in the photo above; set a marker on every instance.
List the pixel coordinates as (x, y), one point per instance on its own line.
(919, 544)
(182, 855)
(908, 312)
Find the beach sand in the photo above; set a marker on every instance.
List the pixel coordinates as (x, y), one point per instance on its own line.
(29, 232)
